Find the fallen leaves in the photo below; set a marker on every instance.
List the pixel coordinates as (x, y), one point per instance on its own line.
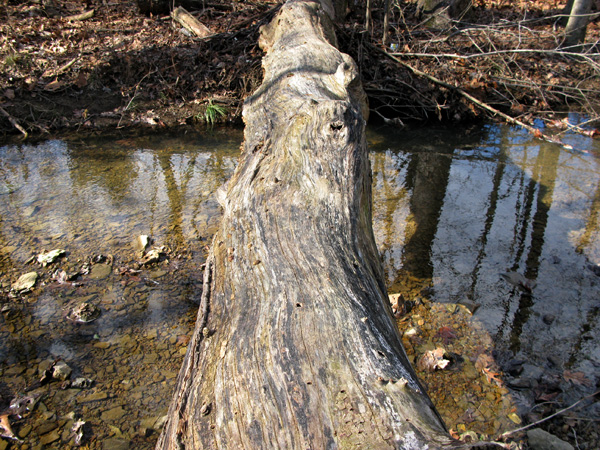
(433, 360)
(577, 378)
(447, 334)
(5, 428)
(492, 377)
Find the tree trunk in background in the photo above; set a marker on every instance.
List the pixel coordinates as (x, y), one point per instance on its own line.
(577, 24)
(295, 346)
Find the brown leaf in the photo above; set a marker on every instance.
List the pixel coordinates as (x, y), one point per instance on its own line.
(558, 124)
(432, 360)
(5, 429)
(484, 361)
(54, 86)
(81, 80)
(577, 378)
(447, 334)
(492, 376)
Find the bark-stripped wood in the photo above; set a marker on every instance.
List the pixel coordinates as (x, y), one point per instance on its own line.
(295, 346)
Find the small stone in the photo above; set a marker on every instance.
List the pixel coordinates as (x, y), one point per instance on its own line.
(158, 273)
(24, 432)
(82, 383)
(25, 282)
(47, 427)
(50, 437)
(515, 418)
(113, 414)
(151, 257)
(48, 258)
(532, 372)
(115, 444)
(61, 371)
(520, 383)
(93, 397)
(141, 243)
(548, 319)
(100, 271)
(539, 439)
(102, 345)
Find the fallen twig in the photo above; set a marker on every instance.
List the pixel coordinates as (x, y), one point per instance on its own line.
(534, 131)
(190, 23)
(83, 16)
(14, 123)
(508, 433)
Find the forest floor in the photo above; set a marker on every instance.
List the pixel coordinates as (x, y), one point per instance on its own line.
(120, 68)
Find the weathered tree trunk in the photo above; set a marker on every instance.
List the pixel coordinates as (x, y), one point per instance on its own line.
(577, 23)
(295, 346)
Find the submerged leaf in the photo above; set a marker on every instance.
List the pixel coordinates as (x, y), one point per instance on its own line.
(519, 280)
(432, 360)
(47, 258)
(5, 428)
(577, 378)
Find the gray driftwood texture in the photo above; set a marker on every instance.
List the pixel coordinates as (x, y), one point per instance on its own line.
(295, 346)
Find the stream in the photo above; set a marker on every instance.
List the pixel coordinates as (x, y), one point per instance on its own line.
(490, 236)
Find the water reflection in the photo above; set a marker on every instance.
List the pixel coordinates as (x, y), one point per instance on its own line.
(93, 197)
(453, 209)
(491, 202)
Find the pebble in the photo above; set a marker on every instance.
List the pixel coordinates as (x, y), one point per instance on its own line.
(46, 427)
(539, 439)
(93, 397)
(61, 371)
(100, 271)
(115, 444)
(113, 414)
(50, 438)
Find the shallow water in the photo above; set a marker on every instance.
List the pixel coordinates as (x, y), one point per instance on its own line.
(453, 209)
(456, 209)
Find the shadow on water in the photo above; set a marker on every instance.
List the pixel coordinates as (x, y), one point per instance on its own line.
(489, 218)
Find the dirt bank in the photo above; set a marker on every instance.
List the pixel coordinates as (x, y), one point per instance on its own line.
(120, 68)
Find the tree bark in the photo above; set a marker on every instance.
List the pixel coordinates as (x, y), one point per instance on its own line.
(295, 346)
(577, 24)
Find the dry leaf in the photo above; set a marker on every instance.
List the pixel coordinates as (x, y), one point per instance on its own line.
(447, 334)
(484, 361)
(53, 86)
(492, 376)
(577, 378)
(432, 360)
(5, 429)
(81, 80)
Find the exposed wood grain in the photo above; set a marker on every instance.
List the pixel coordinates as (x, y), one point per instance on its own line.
(295, 346)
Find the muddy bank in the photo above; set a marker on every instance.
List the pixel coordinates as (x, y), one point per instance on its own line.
(115, 67)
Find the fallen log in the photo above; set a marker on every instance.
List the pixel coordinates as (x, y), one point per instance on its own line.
(295, 346)
(190, 23)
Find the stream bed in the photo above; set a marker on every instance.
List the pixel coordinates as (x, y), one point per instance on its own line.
(488, 236)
